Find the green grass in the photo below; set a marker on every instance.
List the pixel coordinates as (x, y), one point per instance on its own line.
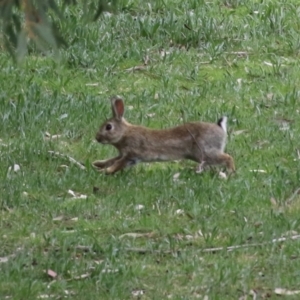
(195, 69)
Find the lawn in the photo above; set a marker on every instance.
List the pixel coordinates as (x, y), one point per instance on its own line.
(68, 231)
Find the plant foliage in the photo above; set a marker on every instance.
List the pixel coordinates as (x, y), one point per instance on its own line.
(33, 20)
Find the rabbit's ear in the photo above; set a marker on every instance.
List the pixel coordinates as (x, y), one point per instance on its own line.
(117, 106)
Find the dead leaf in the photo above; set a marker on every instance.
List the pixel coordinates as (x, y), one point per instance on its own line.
(164, 53)
(146, 60)
(284, 123)
(281, 291)
(176, 176)
(98, 262)
(59, 218)
(49, 136)
(239, 82)
(137, 293)
(92, 84)
(258, 171)
(284, 127)
(83, 276)
(51, 273)
(290, 233)
(110, 271)
(238, 132)
(270, 96)
(4, 259)
(63, 116)
(253, 293)
(179, 212)
(268, 64)
(15, 168)
(139, 207)
(62, 167)
(273, 201)
(156, 96)
(151, 115)
(45, 296)
(76, 195)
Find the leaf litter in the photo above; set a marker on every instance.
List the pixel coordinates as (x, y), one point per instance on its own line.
(137, 235)
(51, 273)
(49, 137)
(76, 195)
(285, 292)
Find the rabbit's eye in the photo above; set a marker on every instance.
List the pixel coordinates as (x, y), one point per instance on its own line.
(108, 127)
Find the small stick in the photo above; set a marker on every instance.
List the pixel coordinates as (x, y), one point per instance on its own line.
(241, 53)
(289, 200)
(71, 159)
(217, 249)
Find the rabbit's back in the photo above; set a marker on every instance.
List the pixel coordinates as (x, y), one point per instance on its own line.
(184, 141)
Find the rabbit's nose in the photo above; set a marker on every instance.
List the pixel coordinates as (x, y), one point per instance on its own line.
(98, 137)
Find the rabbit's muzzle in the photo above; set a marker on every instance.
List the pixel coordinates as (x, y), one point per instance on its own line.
(100, 139)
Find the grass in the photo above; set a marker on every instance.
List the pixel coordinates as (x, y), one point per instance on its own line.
(207, 59)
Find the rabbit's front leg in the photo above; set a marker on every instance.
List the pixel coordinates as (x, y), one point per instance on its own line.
(118, 165)
(102, 164)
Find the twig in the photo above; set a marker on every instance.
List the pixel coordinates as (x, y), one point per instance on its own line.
(217, 249)
(230, 248)
(71, 159)
(137, 68)
(289, 200)
(144, 251)
(240, 53)
(157, 206)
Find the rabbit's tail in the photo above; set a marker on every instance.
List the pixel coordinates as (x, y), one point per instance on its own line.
(223, 123)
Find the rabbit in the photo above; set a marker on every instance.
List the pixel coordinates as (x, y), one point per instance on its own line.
(201, 142)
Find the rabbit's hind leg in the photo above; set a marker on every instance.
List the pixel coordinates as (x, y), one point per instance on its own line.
(225, 160)
(218, 158)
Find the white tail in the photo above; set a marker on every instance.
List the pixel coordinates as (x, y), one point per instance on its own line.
(223, 123)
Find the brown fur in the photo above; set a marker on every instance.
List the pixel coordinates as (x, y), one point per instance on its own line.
(197, 141)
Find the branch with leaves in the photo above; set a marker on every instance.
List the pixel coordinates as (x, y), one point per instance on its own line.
(25, 20)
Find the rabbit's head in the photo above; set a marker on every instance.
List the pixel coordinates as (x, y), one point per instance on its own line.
(112, 130)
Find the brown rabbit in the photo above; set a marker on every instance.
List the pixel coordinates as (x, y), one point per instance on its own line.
(198, 141)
